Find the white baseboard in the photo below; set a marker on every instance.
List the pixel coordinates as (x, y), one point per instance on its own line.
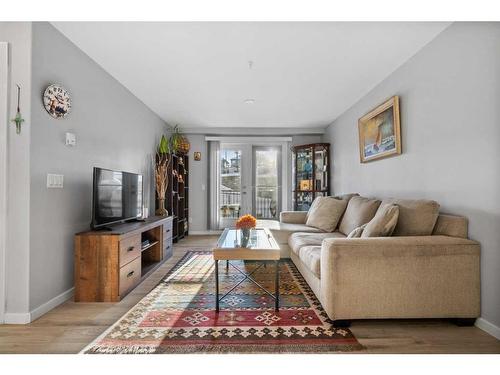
(204, 232)
(488, 327)
(17, 318)
(49, 305)
(25, 318)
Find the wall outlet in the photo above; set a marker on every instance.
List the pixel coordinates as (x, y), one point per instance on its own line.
(55, 181)
(190, 220)
(70, 139)
(203, 187)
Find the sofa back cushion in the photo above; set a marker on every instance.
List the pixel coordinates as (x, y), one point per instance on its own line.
(451, 225)
(359, 211)
(383, 223)
(417, 217)
(325, 213)
(346, 197)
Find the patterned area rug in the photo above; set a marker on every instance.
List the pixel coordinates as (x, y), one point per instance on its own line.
(178, 316)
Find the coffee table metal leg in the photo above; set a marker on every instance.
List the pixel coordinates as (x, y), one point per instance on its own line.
(216, 286)
(227, 266)
(277, 286)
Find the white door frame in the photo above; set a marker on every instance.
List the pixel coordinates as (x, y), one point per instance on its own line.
(284, 142)
(4, 124)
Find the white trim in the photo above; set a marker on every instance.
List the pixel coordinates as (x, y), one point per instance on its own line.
(54, 302)
(252, 140)
(17, 318)
(259, 131)
(204, 232)
(488, 327)
(25, 318)
(4, 124)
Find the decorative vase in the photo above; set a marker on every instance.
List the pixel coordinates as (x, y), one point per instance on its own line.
(245, 237)
(161, 210)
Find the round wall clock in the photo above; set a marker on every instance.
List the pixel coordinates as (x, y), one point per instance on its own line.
(56, 101)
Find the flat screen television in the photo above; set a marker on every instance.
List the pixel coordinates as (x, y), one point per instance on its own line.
(117, 197)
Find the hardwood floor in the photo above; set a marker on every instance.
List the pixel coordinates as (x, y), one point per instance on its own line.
(71, 326)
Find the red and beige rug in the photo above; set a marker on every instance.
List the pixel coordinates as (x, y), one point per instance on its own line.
(178, 316)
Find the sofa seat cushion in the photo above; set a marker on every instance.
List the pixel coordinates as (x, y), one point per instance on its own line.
(360, 210)
(325, 213)
(298, 240)
(417, 217)
(310, 256)
(281, 231)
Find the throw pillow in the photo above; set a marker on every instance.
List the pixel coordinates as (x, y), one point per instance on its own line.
(383, 223)
(416, 217)
(356, 233)
(359, 211)
(325, 213)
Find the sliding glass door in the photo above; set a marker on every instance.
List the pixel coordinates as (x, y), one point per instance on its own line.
(249, 182)
(267, 182)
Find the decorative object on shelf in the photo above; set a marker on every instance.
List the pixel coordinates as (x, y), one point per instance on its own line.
(162, 163)
(18, 120)
(180, 144)
(311, 174)
(57, 101)
(197, 156)
(379, 132)
(245, 224)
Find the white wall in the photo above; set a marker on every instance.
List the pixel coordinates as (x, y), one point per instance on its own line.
(113, 129)
(450, 125)
(18, 35)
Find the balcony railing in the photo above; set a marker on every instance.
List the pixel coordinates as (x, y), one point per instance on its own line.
(265, 207)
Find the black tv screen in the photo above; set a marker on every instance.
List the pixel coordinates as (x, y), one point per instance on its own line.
(117, 197)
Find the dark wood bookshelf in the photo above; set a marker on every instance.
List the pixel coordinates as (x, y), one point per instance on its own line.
(177, 197)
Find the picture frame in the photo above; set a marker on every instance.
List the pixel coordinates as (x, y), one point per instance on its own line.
(380, 132)
(197, 156)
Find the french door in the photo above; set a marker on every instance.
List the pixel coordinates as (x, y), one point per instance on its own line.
(249, 182)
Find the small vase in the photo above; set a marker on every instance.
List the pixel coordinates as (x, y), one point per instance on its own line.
(245, 237)
(161, 210)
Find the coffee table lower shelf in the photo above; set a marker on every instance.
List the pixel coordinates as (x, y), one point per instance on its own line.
(248, 276)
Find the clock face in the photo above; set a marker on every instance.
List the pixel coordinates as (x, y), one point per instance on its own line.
(56, 101)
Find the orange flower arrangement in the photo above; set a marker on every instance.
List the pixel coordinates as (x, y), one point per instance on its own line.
(246, 222)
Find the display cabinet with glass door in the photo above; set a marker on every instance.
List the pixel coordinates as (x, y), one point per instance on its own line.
(311, 174)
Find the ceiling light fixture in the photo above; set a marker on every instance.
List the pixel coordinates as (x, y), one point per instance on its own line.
(249, 101)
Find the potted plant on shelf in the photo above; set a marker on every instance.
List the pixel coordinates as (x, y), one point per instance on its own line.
(179, 142)
(162, 163)
(245, 224)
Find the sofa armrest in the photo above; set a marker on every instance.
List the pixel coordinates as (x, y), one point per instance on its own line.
(400, 277)
(293, 217)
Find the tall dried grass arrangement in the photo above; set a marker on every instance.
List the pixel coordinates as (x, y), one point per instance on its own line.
(162, 164)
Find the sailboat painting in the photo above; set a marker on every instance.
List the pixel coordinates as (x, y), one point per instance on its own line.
(379, 132)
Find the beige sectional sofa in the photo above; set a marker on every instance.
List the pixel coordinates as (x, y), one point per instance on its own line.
(427, 268)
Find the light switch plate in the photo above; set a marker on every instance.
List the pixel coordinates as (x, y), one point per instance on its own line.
(55, 181)
(70, 139)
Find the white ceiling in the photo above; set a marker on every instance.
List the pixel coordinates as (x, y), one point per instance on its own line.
(197, 74)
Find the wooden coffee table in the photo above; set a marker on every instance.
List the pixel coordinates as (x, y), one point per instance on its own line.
(261, 247)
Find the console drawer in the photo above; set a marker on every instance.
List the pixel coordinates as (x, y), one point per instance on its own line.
(167, 248)
(130, 275)
(130, 248)
(167, 229)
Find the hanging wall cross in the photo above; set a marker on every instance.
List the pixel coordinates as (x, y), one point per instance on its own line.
(18, 120)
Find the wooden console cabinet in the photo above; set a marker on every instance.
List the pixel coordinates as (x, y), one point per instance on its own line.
(109, 264)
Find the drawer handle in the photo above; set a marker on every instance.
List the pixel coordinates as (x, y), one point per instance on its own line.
(131, 248)
(168, 230)
(130, 274)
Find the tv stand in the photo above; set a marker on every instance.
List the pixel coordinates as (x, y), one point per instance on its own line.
(111, 262)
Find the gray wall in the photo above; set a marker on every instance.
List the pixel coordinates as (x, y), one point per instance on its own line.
(18, 35)
(114, 130)
(198, 176)
(450, 124)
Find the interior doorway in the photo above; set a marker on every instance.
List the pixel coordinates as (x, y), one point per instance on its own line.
(4, 123)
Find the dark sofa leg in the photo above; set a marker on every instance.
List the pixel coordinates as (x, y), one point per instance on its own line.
(341, 323)
(463, 322)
